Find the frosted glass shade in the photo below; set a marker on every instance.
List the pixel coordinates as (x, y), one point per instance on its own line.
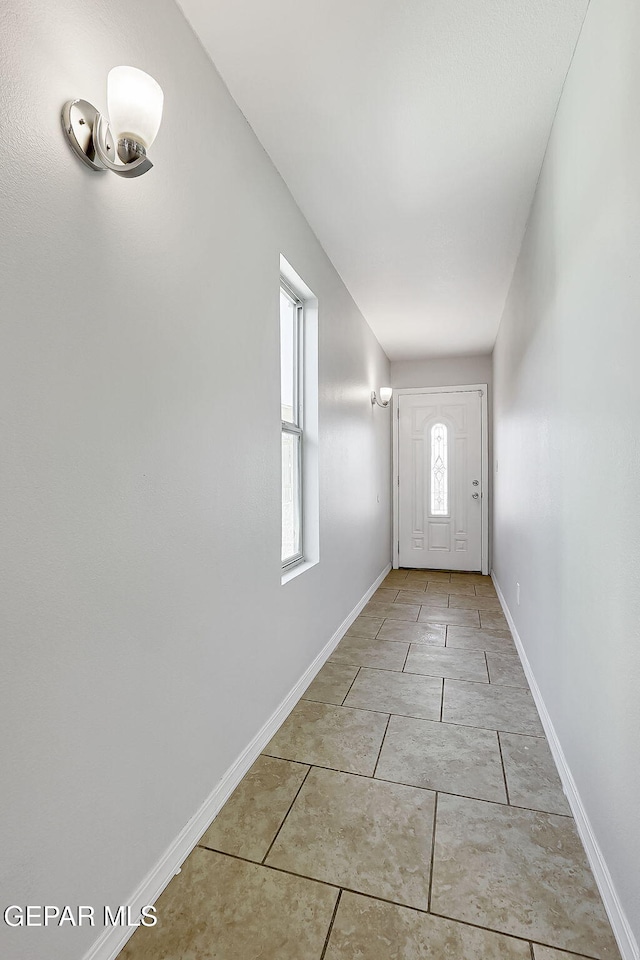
(385, 394)
(134, 101)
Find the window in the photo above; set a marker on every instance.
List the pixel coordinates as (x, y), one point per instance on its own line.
(291, 397)
(439, 471)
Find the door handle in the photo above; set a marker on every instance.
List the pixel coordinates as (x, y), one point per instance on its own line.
(475, 496)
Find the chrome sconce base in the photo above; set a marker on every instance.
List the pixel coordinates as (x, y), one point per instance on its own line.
(90, 138)
(381, 402)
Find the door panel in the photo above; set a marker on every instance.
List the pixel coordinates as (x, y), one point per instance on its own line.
(440, 464)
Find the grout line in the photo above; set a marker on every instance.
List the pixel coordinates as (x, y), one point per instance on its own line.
(467, 796)
(442, 701)
(504, 772)
(406, 658)
(420, 643)
(352, 683)
(326, 703)
(487, 666)
(395, 903)
(512, 936)
(277, 834)
(381, 746)
(413, 673)
(384, 713)
(271, 866)
(396, 672)
(339, 706)
(532, 953)
(360, 893)
(347, 664)
(341, 889)
(433, 850)
(416, 786)
(453, 723)
(333, 917)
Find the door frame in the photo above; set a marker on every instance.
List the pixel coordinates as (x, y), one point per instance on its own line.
(484, 411)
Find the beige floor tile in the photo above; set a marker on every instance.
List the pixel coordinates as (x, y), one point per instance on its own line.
(398, 693)
(473, 578)
(490, 620)
(420, 576)
(434, 590)
(419, 597)
(451, 589)
(332, 683)
(385, 595)
(486, 589)
(429, 576)
(506, 669)
(532, 777)
(251, 817)
(520, 872)
(441, 756)
(328, 736)
(362, 652)
(415, 586)
(363, 834)
(394, 611)
(471, 638)
(443, 662)
(219, 908)
(432, 634)
(393, 581)
(547, 953)
(366, 929)
(463, 602)
(497, 708)
(439, 614)
(365, 627)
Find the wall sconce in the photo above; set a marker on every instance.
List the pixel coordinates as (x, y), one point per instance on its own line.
(385, 397)
(120, 143)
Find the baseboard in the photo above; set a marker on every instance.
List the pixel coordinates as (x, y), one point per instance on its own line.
(112, 940)
(627, 942)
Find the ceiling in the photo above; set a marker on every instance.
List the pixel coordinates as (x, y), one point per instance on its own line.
(411, 134)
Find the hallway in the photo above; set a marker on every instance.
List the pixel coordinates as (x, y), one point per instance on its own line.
(409, 807)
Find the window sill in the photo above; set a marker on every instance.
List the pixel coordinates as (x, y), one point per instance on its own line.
(294, 571)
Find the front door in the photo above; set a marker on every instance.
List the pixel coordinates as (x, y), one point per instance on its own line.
(440, 480)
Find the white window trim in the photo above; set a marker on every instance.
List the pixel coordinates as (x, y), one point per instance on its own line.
(310, 516)
(296, 427)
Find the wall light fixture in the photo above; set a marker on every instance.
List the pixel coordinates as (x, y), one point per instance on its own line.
(119, 144)
(385, 397)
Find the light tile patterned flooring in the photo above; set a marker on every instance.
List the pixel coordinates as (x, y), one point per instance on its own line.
(408, 808)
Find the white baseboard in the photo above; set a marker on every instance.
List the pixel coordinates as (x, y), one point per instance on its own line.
(112, 939)
(627, 942)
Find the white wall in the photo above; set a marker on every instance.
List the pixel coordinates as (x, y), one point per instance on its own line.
(567, 400)
(146, 636)
(441, 372)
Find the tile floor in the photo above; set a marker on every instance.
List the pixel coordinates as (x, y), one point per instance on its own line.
(408, 808)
